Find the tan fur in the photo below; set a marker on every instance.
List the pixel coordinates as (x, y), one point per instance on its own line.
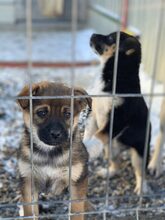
(100, 108)
(108, 52)
(155, 164)
(102, 136)
(42, 106)
(137, 165)
(29, 210)
(59, 173)
(91, 127)
(26, 118)
(130, 51)
(76, 193)
(113, 168)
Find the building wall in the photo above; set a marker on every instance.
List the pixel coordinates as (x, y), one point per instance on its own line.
(102, 22)
(143, 18)
(13, 11)
(37, 15)
(7, 12)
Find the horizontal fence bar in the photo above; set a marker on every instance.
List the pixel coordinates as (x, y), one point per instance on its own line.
(82, 96)
(12, 64)
(107, 211)
(92, 199)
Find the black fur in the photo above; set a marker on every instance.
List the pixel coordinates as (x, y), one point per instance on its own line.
(130, 118)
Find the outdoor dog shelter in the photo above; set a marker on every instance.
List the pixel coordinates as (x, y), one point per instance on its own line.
(38, 43)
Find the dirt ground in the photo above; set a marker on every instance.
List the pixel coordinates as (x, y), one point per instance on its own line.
(122, 201)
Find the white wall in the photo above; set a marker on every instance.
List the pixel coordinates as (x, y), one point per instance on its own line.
(7, 11)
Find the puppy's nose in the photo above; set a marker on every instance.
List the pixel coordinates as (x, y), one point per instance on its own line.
(55, 134)
(93, 39)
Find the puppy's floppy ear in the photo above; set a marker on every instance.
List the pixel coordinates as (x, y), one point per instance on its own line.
(24, 103)
(78, 91)
(131, 45)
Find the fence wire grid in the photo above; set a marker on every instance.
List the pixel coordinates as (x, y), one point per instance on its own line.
(105, 210)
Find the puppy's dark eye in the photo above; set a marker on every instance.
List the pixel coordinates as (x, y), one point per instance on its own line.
(67, 115)
(66, 112)
(106, 49)
(42, 113)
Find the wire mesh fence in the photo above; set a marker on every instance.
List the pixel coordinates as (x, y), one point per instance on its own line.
(108, 205)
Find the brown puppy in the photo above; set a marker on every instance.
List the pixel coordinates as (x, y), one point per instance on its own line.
(51, 143)
(155, 165)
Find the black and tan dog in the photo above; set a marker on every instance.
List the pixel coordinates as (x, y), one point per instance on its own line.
(130, 113)
(51, 137)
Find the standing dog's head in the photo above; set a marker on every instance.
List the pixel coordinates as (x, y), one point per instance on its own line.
(105, 45)
(51, 117)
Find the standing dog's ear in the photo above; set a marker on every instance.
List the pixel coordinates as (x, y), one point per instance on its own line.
(78, 91)
(24, 103)
(131, 45)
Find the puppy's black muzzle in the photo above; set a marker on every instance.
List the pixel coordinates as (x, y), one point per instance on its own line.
(98, 42)
(53, 133)
(93, 39)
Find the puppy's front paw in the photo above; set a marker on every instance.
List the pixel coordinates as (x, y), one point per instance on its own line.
(103, 172)
(113, 169)
(21, 211)
(155, 168)
(94, 147)
(137, 189)
(145, 188)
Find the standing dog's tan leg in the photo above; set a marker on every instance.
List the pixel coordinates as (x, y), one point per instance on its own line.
(29, 210)
(79, 192)
(137, 163)
(93, 145)
(117, 149)
(91, 128)
(103, 137)
(113, 166)
(155, 165)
